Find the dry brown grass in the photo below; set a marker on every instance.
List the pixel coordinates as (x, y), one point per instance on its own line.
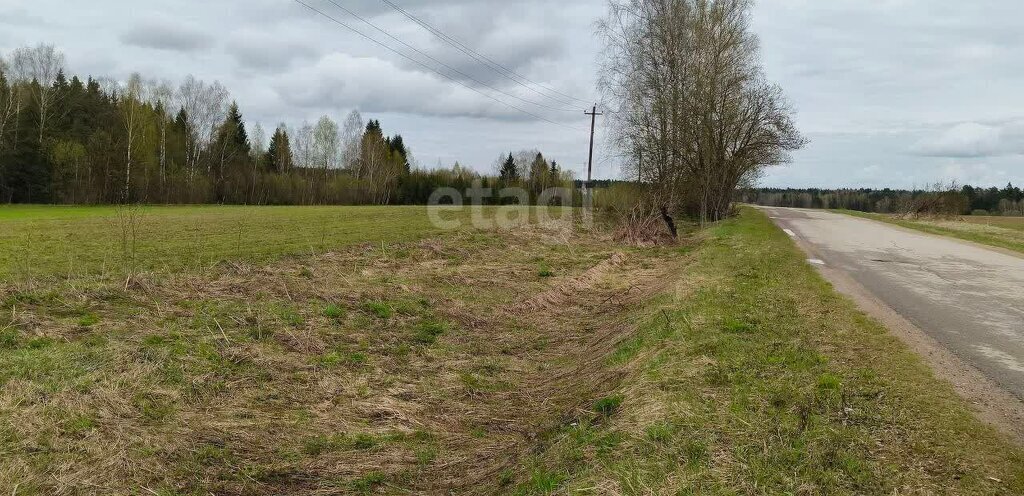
(436, 369)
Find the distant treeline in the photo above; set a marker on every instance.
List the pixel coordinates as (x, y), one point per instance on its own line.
(94, 141)
(972, 200)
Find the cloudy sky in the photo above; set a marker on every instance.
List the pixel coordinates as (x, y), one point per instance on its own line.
(890, 92)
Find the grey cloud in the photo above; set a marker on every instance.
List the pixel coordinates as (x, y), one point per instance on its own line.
(21, 17)
(519, 36)
(166, 35)
(974, 140)
(268, 53)
(374, 85)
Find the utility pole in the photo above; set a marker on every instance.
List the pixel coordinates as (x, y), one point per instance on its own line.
(590, 162)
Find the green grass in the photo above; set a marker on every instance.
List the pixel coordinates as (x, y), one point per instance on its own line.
(41, 241)
(755, 377)
(1001, 232)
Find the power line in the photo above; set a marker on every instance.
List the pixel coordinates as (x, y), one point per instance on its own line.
(483, 59)
(456, 81)
(450, 68)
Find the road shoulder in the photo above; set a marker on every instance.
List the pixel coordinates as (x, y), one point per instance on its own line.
(990, 402)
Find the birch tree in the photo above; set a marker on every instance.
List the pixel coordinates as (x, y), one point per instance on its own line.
(690, 98)
(161, 96)
(258, 156)
(351, 141)
(326, 144)
(41, 63)
(302, 145)
(205, 106)
(133, 96)
(9, 102)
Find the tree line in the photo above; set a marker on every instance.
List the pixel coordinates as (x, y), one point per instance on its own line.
(97, 140)
(969, 200)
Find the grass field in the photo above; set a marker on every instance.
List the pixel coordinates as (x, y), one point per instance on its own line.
(1002, 232)
(46, 241)
(41, 241)
(530, 361)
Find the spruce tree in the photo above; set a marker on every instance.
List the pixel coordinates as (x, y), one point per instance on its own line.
(241, 137)
(279, 153)
(508, 171)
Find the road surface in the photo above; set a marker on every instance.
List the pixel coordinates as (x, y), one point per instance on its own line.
(970, 299)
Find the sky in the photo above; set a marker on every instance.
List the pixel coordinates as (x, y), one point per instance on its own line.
(890, 93)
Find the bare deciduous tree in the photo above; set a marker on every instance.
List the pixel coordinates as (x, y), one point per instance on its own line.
(258, 151)
(691, 99)
(41, 63)
(133, 96)
(10, 102)
(351, 141)
(205, 106)
(326, 144)
(302, 145)
(161, 95)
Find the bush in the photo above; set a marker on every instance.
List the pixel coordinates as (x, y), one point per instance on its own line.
(980, 212)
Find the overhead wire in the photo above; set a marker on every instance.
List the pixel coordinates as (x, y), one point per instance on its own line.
(485, 60)
(443, 64)
(431, 69)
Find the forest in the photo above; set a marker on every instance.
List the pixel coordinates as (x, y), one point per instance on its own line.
(971, 200)
(73, 140)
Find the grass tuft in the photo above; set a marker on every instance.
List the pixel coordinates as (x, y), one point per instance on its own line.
(334, 312)
(88, 320)
(428, 331)
(608, 405)
(379, 309)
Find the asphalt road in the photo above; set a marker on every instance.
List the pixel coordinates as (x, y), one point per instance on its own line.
(968, 298)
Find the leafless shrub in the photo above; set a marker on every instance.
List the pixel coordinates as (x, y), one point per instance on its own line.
(937, 201)
(129, 219)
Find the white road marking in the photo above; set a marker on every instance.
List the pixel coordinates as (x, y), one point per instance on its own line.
(789, 232)
(815, 261)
